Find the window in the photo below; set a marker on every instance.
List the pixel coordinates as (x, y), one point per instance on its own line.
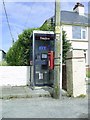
(83, 33)
(78, 32)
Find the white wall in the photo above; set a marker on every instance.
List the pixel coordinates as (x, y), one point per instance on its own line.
(14, 75)
(79, 43)
(68, 29)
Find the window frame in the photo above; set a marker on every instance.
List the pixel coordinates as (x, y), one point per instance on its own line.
(81, 33)
(83, 30)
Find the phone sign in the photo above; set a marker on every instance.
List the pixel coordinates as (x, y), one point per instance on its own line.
(44, 37)
(42, 48)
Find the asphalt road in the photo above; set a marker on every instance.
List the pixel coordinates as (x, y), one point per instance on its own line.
(45, 108)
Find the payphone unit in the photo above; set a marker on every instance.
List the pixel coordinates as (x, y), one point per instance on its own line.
(42, 58)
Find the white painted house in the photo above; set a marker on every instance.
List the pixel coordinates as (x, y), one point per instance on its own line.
(76, 24)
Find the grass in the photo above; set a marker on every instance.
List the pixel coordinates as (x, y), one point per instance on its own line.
(81, 96)
(88, 73)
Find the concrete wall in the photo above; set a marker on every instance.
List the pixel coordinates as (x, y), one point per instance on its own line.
(14, 75)
(76, 73)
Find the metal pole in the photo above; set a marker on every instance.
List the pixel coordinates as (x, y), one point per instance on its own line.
(57, 51)
(33, 67)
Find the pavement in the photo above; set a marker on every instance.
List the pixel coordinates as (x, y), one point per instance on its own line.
(43, 107)
(8, 92)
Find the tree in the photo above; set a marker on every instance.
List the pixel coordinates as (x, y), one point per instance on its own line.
(19, 53)
(11, 56)
(66, 46)
(47, 27)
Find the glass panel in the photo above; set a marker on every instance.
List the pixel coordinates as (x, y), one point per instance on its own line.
(76, 32)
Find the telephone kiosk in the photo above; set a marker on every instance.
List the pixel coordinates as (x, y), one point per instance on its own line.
(42, 58)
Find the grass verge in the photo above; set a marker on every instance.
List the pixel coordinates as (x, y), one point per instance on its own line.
(88, 73)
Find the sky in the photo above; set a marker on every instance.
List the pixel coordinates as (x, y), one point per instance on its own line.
(23, 14)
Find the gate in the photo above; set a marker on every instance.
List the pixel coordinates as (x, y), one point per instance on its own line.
(64, 77)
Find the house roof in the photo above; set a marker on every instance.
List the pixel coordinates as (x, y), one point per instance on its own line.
(69, 17)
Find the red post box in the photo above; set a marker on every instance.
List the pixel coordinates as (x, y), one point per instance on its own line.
(51, 60)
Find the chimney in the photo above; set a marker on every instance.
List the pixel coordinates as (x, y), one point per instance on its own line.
(79, 8)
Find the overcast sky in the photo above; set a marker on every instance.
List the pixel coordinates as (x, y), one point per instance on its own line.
(23, 14)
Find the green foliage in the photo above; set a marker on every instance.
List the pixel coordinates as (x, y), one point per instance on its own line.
(88, 73)
(19, 53)
(47, 27)
(3, 63)
(81, 96)
(66, 45)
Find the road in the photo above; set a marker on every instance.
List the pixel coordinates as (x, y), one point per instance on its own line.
(45, 108)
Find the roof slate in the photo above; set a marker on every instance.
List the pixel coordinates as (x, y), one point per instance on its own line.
(73, 18)
(69, 17)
